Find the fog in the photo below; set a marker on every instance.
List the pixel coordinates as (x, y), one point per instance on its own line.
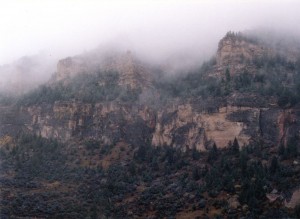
(157, 31)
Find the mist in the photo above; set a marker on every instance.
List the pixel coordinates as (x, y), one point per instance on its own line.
(26, 73)
(172, 32)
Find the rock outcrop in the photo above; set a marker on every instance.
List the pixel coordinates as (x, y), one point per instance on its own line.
(70, 67)
(105, 122)
(183, 126)
(237, 53)
(187, 123)
(235, 49)
(132, 72)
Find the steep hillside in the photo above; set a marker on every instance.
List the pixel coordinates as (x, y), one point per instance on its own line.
(131, 72)
(237, 95)
(246, 88)
(198, 144)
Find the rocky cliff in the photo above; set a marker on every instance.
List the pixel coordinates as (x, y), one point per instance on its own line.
(240, 53)
(182, 126)
(108, 123)
(132, 72)
(235, 49)
(81, 145)
(190, 122)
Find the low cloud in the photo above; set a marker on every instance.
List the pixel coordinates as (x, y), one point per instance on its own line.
(157, 31)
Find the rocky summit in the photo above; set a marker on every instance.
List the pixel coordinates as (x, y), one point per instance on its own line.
(111, 136)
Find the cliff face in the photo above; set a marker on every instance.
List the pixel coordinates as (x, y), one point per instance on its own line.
(234, 50)
(108, 123)
(12, 120)
(71, 66)
(237, 54)
(183, 126)
(187, 123)
(132, 73)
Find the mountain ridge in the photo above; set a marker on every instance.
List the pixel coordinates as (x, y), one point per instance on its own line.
(123, 80)
(113, 137)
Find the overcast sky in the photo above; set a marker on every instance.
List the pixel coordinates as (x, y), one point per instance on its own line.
(156, 28)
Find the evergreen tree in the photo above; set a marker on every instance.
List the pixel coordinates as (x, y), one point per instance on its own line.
(195, 154)
(213, 153)
(243, 161)
(227, 75)
(281, 150)
(291, 150)
(274, 165)
(235, 146)
(196, 174)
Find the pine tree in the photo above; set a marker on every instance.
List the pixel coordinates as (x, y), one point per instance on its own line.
(213, 153)
(274, 165)
(227, 75)
(196, 174)
(195, 154)
(292, 150)
(281, 150)
(235, 146)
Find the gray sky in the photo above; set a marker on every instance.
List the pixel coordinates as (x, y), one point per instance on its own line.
(153, 28)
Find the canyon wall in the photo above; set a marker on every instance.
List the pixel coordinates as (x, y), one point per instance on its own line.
(182, 126)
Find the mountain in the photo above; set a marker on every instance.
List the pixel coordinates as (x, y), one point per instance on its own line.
(235, 97)
(131, 72)
(135, 135)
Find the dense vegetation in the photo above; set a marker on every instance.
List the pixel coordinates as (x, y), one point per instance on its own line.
(61, 181)
(6, 98)
(274, 77)
(91, 88)
(87, 179)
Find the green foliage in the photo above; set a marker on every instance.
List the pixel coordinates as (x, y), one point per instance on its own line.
(297, 211)
(235, 147)
(243, 161)
(196, 174)
(37, 156)
(274, 165)
(274, 77)
(90, 88)
(242, 81)
(286, 99)
(141, 153)
(253, 183)
(7, 98)
(196, 154)
(281, 150)
(291, 150)
(227, 75)
(106, 149)
(159, 175)
(241, 36)
(212, 153)
(92, 145)
(193, 84)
